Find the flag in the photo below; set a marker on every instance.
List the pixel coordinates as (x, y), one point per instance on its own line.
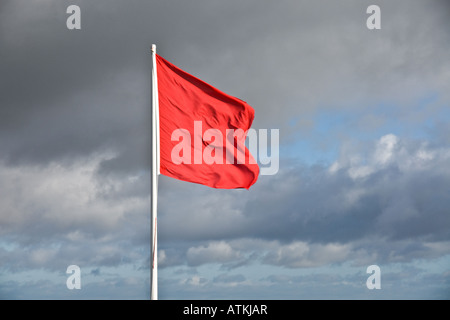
(202, 131)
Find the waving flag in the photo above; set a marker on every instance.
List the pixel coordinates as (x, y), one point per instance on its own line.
(202, 131)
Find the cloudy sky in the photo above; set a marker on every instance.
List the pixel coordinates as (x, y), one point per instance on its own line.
(364, 174)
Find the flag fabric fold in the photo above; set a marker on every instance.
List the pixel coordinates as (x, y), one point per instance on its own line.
(202, 131)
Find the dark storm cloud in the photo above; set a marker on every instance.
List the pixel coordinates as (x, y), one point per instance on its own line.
(69, 93)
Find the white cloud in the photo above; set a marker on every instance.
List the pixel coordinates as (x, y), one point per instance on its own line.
(389, 150)
(214, 252)
(66, 197)
(385, 148)
(195, 281)
(40, 257)
(301, 254)
(358, 171)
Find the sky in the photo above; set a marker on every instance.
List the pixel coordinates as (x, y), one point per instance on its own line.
(364, 150)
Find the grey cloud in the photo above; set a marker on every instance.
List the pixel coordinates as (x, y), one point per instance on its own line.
(303, 203)
(382, 211)
(394, 196)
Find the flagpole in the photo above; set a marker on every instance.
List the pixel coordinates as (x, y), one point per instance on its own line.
(155, 172)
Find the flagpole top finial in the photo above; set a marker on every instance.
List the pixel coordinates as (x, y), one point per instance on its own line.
(153, 47)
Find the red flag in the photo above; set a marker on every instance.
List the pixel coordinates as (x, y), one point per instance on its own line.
(202, 131)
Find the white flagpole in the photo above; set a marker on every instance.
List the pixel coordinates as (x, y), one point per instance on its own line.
(155, 172)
